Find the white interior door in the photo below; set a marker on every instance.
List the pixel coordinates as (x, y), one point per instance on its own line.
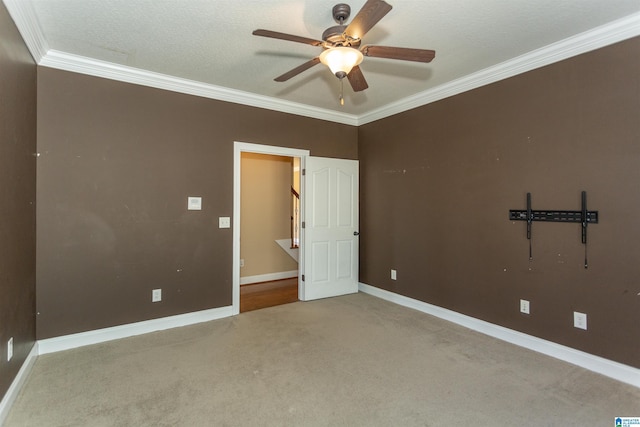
(330, 247)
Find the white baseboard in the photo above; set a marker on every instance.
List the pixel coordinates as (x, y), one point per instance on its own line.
(66, 342)
(15, 387)
(247, 280)
(618, 371)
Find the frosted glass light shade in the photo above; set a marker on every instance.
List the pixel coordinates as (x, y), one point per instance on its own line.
(341, 59)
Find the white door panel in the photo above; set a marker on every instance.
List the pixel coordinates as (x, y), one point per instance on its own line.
(330, 258)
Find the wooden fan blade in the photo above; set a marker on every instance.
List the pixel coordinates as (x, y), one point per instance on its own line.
(288, 37)
(403, 53)
(372, 12)
(286, 76)
(357, 80)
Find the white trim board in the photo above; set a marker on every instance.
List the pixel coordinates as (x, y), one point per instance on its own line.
(247, 280)
(107, 70)
(24, 16)
(26, 20)
(618, 371)
(15, 387)
(608, 34)
(285, 244)
(593, 363)
(67, 342)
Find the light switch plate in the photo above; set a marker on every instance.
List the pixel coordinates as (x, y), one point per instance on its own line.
(580, 320)
(224, 222)
(194, 203)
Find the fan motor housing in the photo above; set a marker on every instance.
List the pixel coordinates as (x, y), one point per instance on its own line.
(335, 36)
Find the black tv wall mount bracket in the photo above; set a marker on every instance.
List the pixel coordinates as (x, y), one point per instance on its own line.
(583, 216)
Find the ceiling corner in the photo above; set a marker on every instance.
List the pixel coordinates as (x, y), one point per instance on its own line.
(25, 18)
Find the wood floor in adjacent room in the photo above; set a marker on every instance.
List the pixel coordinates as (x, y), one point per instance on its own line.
(268, 294)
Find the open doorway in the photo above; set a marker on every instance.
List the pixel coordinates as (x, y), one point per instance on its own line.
(329, 211)
(260, 273)
(270, 224)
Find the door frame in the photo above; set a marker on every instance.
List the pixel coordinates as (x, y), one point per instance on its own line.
(238, 149)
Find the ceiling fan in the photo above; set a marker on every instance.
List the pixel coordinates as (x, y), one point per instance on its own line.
(342, 52)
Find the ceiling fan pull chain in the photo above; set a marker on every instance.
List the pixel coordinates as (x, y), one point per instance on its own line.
(341, 98)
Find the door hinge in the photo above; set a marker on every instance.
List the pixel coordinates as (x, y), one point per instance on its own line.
(303, 224)
(304, 172)
(303, 277)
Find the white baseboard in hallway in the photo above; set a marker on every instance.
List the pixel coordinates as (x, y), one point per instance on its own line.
(618, 371)
(247, 280)
(66, 342)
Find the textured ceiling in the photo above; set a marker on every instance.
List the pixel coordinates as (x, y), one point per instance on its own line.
(211, 42)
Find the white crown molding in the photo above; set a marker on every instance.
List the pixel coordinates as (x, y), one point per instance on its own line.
(25, 18)
(618, 371)
(79, 64)
(596, 38)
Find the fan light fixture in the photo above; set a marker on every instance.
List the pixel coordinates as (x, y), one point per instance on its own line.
(341, 60)
(341, 45)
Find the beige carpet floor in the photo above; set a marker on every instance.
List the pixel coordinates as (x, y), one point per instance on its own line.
(348, 361)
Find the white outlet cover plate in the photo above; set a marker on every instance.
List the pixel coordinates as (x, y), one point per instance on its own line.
(194, 203)
(580, 320)
(156, 295)
(224, 222)
(524, 306)
(10, 349)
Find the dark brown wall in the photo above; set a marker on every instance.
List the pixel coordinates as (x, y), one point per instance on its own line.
(437, 183)
(117, 164)
(17, 199)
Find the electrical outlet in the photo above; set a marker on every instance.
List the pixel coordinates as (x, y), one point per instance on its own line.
(242, 263)
(524, 306)
(156, 295)
(580, 320)
(9, 349)
(393, 275)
